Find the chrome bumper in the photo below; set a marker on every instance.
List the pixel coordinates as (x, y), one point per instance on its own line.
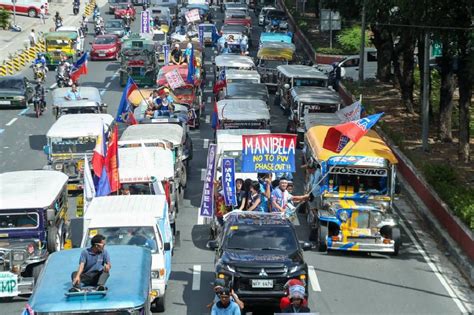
(361, 247)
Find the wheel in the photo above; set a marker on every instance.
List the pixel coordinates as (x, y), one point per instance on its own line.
(37, 109)
(159, 306)
(173, 228)
(36, 271)
(397, 239)
(53, 240)
(322, 238)
(32, 12)
(184, 176)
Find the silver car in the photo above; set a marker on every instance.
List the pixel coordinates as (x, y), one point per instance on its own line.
(114, 26)
(261, 15)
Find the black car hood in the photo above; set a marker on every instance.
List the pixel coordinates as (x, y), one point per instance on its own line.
(269, 256)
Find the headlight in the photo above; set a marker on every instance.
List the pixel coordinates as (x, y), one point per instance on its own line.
(155, 274)
(18, 256)
(231, 269)
(377, 217)
(112, 49)
(294, 269)
(343, 216)
(58, 166)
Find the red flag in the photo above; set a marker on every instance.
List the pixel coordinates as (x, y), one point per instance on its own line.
(131, 120)
(79, 68)
(338, 136)
(98, 156)
(111, 161)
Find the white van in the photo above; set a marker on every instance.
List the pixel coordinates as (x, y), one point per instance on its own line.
(28, 7)
(350, 65)
(140, 220)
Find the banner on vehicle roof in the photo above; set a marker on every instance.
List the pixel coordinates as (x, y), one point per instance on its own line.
(268, 153)
(228, 181)
(145, 22)
(174, 79)
(207, 200)
(192, 16)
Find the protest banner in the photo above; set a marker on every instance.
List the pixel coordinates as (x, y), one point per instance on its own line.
(268, 153)
(145, 22)
(228, 181)
(201, 34)
(166, 53)
(207, 200)
(174, 79)
(192, 16)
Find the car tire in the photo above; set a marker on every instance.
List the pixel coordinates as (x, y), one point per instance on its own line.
(32, 13)
(53, 240)
(396, 237)
(159, 306)
(36, 271)
(322, 236)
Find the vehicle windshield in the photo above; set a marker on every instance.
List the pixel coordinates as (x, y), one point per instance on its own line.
(81, 110)
(275, 14)
(271, 64)
(122, 6)
(57, 42)
(26, 220)
(376, 185)
(140, 189)
(183, 91)
(310, 82)
(256, 81)
(237, 156)
(143, 236)
(73, 145)
(113, 24)
(261, 237)
(104, 40)
(10, 84)
(309, 108)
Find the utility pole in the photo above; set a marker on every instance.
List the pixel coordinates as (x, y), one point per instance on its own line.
(426, 94)
(362, 46)
(330, 29)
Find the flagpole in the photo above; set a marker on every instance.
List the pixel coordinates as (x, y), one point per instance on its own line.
(138, 88)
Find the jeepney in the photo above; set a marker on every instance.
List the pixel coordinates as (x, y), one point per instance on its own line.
(290, 76)
(352, 211)
(269, 57)
(69, 139)
(276, 38)
(60, 44)
(306, 100)
(90, 102)
(207, 30)
(242, 76)
(33, 224)
(243, 114)
(253, 91)
(73, 29)
(139, 60)
(131, 270)
(150, 171)
(223, 63)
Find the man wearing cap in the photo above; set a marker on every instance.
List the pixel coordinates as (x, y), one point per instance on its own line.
(281, 197)
(219, 286)
(176, 55)
(225, 306)
(297, 293)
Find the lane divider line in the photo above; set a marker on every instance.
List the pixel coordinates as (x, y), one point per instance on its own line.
(196, 278)
(53, 86)
(1, 131)
(11, 122)
(313, 278)
(209, 100)
(206, 144)
(208, 119)
(23, 112)
(200, 218)
(107, 85)
(203, 174)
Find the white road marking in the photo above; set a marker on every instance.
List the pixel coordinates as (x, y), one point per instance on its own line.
(210, 84)
(107, 85)
(436, 270)
(313, 278)
(206, 144)
(203, 174)
(196, 278)
(200, 218)
(11, 122)
(209, 100)
(1, 131)
(207, 90)
(53, 86)
(23, 111)
(208, 119)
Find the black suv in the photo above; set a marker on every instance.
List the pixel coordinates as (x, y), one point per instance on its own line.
(258, 253)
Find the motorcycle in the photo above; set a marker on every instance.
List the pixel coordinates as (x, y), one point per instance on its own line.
(62, 76)
(84, 27)
(75, 8)
(98, 29)
(39, 72)
(96, 15)
(39, 101)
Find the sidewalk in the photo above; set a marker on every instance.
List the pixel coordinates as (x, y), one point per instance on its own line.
(12, 42)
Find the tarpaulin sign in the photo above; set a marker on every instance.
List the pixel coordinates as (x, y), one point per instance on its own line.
(192, 16)
(145, 22)
(268, 153)
(207, 203)
(174, 79)
(228, 182)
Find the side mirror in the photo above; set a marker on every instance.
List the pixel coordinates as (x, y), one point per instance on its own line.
(46, 150)
(167, 246)
(212, 245)
(307, 246)
(50, 215)
(286, 86)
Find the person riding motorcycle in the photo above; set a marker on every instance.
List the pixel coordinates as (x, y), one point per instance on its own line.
(75, 7)
(40, 58)
(84, 22)
(96, 13)
(127, 21)
(58, 20)
(39, 67)
(99, 26)
(40, 94)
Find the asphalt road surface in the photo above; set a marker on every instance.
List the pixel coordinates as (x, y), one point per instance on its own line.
(419, 281)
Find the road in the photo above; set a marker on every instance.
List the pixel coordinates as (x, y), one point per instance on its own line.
(420, 280)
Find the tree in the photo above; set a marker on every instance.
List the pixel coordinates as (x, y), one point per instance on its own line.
(446, 93)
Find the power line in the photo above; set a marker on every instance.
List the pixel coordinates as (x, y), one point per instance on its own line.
(428, 26)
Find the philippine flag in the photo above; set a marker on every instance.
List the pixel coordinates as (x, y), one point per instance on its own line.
(125, 111)
(338, 136)
(80, 67)
(98, 157)
(215, 117)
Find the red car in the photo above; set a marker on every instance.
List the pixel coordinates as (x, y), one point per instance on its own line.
(106, 47)
(122, 9)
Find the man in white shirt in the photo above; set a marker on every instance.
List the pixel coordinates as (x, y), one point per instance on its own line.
(280, 197)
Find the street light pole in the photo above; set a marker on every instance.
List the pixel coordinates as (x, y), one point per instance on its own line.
(426, 94)
(362, 46)
(14, 12)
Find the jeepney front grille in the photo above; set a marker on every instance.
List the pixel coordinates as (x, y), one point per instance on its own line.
(362, 240)
(360, 219)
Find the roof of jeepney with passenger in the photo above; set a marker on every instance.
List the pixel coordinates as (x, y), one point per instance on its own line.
(80, 125)
(231, 139)
(311, 94)
(128, 284)
(90, 96)
(370, 145)
(236, 74)
(30, 189)
(149, 132)
(246, 90)
(301, 71)
(234, 61)
(125, 210)
(141, 163)
(242, 110)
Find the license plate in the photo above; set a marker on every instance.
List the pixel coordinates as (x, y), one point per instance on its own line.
(8, 284)
(5, 102)
(101, 55)
(262, 283)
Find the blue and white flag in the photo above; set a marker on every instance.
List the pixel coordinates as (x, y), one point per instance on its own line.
(228, 181)
(350, 113)
(201, 34)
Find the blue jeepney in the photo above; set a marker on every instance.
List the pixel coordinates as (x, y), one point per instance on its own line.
(129, 285)
(276, 38)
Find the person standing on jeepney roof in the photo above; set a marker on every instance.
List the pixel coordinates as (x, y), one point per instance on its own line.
(221, 208)
(94, 266)
(176, 55)
(254, 198)
(187, 53)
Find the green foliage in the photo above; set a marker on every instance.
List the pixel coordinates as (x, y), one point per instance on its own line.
(350, 39)
(330, 51)
(445, 181)
(303, 25)
(4, 18)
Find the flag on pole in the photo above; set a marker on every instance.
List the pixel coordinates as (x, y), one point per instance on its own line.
(89, 189)
(191, 68)
(350, 113)
(98, 156)
(111, 161)
(125, 109)
(215, 117)
(79, 67)
(338, 136)
(103, 186)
